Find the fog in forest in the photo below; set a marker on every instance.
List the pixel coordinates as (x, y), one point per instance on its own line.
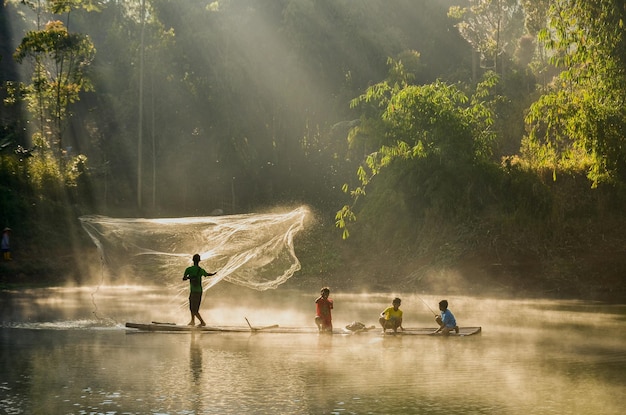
(241, 104)
(466, 150)
(410, 129)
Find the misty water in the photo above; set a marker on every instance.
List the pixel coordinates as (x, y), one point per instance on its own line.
(66, 351)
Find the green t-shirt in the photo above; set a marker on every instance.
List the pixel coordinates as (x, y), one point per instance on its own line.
(195, 274)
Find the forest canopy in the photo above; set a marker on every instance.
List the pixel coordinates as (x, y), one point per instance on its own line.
(388, 118)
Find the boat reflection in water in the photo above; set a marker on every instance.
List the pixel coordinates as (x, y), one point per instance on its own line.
(66, 351)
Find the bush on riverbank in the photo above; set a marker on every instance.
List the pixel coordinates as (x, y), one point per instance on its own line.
(543, 238)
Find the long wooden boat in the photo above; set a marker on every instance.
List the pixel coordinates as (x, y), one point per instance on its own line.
(171, 327)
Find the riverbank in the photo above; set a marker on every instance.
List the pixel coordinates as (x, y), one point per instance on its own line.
(591, 268)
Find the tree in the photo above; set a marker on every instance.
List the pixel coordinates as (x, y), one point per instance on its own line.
(436, 123)
(60, 60)
(492, 27)
(580, 122)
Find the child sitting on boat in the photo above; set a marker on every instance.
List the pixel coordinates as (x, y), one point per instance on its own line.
(323, 305)
(446, 320)
(391, 317)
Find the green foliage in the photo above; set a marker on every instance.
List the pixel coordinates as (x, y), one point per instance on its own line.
(60, 6)
(60, 61)
(14, 190)
(492, 27)
(436, 123)
(249, 103)
(43, 168)
(535, 12)
(580, 122)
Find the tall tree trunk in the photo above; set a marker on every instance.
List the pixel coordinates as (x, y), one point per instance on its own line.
(140, 126)
(153, 135)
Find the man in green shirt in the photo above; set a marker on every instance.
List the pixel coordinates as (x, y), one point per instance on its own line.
(194, 274)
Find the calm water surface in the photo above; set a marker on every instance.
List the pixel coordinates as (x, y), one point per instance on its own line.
(66, 351)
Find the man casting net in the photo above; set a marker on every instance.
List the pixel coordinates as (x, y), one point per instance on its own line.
(251, 250)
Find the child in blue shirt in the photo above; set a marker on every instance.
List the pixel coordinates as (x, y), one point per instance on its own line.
(446, 320)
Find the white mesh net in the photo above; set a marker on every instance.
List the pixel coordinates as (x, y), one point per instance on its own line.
(252, 250)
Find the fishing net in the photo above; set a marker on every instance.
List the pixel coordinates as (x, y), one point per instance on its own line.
(251, 250)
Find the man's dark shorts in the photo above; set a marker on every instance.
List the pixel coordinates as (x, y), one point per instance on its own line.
(194, 302)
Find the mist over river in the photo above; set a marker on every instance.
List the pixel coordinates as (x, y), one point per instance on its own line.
(66, 351)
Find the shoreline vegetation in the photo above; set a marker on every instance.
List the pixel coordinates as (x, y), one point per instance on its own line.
(439, 153)
(588, 267)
